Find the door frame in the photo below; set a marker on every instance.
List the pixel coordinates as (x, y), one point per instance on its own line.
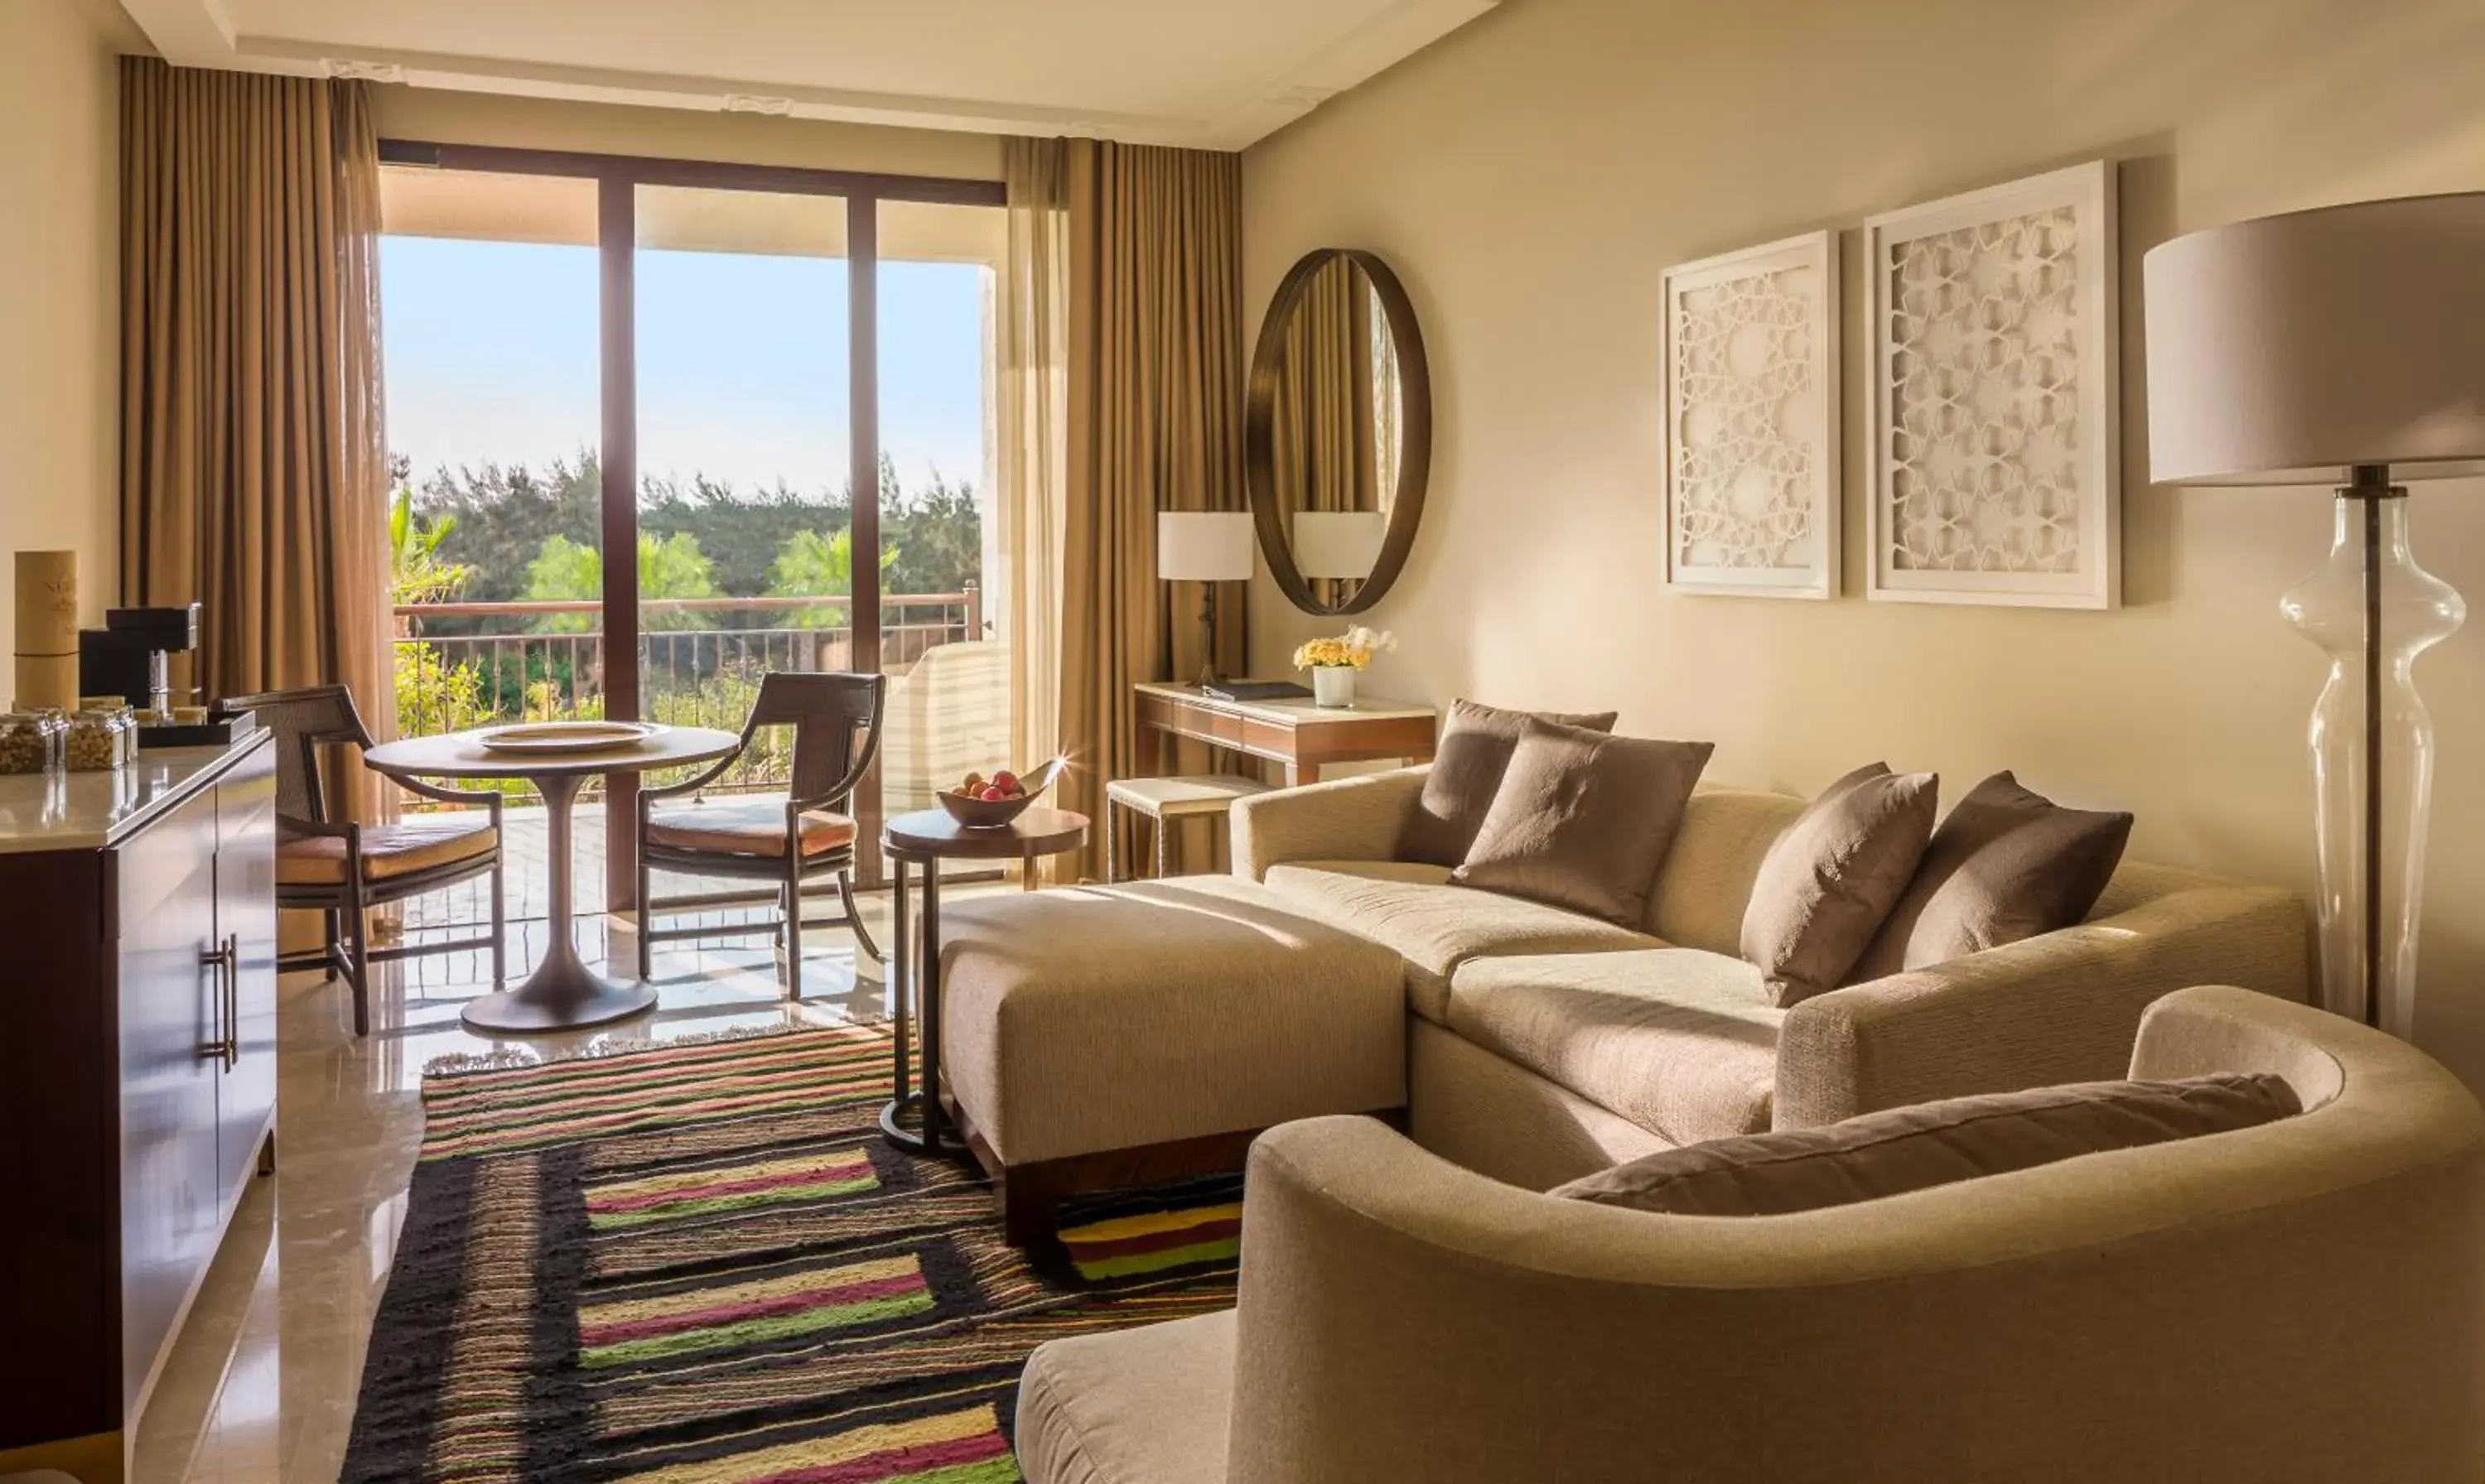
(618, 178)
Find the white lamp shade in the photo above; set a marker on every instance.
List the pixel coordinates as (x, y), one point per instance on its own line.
(1203, 547)
(2284, 348)
(1338, 543)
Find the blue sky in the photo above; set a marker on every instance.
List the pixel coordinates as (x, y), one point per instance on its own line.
(741, 361)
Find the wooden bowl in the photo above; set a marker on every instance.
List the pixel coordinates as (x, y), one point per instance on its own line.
(1000, 813)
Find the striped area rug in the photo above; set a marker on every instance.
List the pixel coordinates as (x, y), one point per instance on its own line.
(701, 1265)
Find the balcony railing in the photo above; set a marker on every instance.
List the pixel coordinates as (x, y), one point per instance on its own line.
(465, 665)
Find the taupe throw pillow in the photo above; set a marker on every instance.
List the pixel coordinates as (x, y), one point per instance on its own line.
(1903, 1150)
(1827, 884)
(1583, 819)
(1467, 764)
(2006, 864)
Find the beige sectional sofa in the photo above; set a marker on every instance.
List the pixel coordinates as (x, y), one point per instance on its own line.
(1545, 1045)
(2301, 1301)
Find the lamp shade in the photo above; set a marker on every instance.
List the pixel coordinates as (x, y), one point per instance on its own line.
(2284, 348)
(1203, 547)
(1338, 543)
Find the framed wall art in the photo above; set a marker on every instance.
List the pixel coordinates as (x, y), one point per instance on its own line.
(1995, 457)
(1751, 421)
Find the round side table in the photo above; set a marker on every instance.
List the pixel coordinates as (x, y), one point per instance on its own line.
(563, 993)
(926, 839)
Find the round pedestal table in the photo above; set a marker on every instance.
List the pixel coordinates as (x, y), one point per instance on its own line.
(563, 993)
(926, 839)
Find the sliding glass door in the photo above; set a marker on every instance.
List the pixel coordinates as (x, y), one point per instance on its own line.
(792, 386)
(940, 638)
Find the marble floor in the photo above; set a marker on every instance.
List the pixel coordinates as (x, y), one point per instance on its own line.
(261, 1382)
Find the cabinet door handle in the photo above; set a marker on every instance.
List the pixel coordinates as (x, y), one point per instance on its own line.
(219, 962)
(233, 1000)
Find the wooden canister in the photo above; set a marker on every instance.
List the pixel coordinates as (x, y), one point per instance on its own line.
(47, 630)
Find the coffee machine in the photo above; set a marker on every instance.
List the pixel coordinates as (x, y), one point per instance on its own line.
(128, 657)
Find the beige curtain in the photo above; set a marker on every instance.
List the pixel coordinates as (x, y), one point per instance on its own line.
(1032, 435)
(1153, 417)
(254, 464)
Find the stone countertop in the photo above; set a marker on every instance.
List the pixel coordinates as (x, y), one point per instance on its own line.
(89, 810)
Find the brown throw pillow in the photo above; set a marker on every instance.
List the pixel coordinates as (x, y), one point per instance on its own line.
(1893, 1152)
(1467, 764)
(1583, 819)
(2006, 864)
(1829, 881)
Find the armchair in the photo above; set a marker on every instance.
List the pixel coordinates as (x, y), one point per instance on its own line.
(781, 838)
(342, 869)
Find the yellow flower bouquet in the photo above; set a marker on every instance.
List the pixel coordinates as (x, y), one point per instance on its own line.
(1352, 650)
(1334, 662)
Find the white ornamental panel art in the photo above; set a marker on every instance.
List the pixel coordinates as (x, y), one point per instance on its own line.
(1751, 421)
(1995, 458)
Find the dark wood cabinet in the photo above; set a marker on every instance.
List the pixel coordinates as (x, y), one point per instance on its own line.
(137, 1076)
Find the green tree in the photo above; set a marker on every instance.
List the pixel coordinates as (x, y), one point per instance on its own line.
(940, 534)
(416, 572)
(566, 570)
(816, 564)
(741, 532)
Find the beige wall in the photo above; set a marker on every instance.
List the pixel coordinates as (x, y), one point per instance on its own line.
(59, 295)
(442, 115)
(1531, 175)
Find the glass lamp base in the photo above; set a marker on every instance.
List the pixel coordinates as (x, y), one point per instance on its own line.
(2372, 611)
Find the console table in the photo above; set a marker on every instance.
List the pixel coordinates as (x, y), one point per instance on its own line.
(1298, 736)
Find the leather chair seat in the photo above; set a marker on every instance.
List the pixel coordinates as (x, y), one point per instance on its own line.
(749, 824)
(389, 851)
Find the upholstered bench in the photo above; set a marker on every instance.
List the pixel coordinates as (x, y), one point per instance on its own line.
(1103, 1037)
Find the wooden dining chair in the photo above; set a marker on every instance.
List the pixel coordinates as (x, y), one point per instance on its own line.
(341, 869)
(785, 838)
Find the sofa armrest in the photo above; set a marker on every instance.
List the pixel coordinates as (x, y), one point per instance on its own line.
(1351, 819)
(2064, 1007)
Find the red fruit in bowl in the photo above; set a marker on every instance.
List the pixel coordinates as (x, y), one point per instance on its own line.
(1007, 782)
(993, 793)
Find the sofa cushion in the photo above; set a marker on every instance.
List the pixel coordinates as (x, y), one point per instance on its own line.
(1583, 819)
(1902, 1150)
(1833, 876)
(1110, 1017)
(1137, 1406)
(1467, 764)
(2005, 864)
(1412, 911)
(1682, 1042)
(1706, 879)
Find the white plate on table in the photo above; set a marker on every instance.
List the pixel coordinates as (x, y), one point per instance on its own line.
(543, 738)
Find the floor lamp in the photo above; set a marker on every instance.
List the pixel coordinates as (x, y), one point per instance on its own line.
(2343, 346)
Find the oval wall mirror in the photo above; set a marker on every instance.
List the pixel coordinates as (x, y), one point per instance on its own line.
(1338, 438)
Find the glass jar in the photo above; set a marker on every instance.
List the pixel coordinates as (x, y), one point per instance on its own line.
(95, 743)
(30, 741)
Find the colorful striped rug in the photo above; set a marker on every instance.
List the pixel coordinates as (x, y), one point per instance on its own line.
(701, 1265)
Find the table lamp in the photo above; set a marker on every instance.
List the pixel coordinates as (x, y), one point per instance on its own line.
(1338, 544)
(1205, 546)
(2343, 346)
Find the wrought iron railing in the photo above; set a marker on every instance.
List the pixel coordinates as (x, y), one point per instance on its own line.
(463, 664)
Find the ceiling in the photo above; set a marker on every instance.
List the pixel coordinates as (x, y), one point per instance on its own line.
(1206, 73)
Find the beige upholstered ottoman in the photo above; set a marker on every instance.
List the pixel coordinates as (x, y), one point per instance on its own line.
(1101, 1036)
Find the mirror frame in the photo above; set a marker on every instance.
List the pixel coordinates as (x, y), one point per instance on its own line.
(1414, 454)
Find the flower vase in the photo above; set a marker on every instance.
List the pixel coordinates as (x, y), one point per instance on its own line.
(1333, 686)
